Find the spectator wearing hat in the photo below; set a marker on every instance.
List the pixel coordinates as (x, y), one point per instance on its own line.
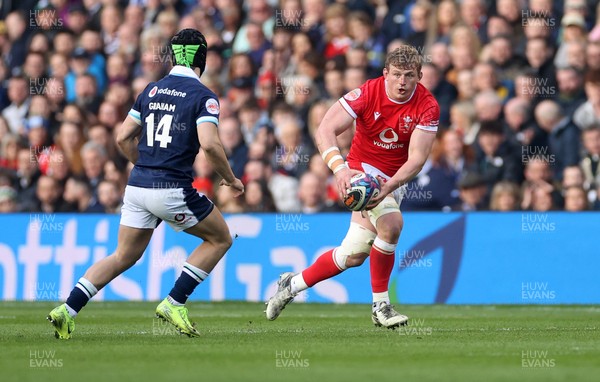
(495, 159)
(80, 64)
(590, 163)
(472, 190)
(573, 30)
(8, 200)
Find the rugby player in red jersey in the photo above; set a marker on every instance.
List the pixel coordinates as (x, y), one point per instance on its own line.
(396, 123)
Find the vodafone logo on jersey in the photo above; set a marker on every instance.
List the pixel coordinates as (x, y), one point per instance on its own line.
(388, 135)
(388, 139)
(153, 92)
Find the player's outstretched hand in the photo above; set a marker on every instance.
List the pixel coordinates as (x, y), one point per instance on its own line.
(237, 185)
(386, 189)
(342, 179)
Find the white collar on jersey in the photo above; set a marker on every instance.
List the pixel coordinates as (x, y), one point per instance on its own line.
(183, 71)
(398, 102)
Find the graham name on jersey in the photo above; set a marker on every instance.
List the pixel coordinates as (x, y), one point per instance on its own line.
(161, 106)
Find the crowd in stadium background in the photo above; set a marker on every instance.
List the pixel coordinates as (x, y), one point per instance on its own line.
(518, 83)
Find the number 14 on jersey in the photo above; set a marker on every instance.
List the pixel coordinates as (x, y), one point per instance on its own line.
(162, 133)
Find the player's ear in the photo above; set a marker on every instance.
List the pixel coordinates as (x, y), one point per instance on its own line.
(385, 72)
(420, 75)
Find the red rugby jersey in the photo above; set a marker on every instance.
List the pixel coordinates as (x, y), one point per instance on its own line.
(384, 126)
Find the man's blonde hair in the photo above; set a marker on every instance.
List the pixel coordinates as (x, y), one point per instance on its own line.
(404, 57)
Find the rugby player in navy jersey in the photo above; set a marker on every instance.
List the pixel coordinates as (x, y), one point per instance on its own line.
(169, 122)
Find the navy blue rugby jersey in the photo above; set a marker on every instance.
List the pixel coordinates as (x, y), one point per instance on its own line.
(169, 111)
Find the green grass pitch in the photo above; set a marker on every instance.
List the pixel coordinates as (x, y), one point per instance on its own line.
(122, 341)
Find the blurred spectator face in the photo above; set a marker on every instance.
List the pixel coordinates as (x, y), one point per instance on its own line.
(334, 84)
(129, 39)
(501, 50)
(354, 78)
(509, 9)
(515, 113)
(8, 199)
(58, 168)
(59, 66)
(592, 91)
(79, 65)
(440, 56)
(497, 26)
(536, 27)
(240, 66)
(93, 163)
(356, 58)
(108, 115)
(289, 135)
(230, 134)
(18, 90)
(55, 91)
(77, 21)
(472, 195)
(447, 13)
(537, 170)
(301, 45)
(465, 84)
(462, 57)
(134, 15)
(253, 194)
(26, 163)
(255, 36)
(72, 113)
(576, 55)
(255, 170)
(542, 6)
(487, 106)
(452, 145)
(471, 12)
(39, 44)
(34, 66)
(318, 167)
(593, 56)
(505, 201)
(167, 22)
(116, 68)
(152, 68)
(537, 52)
(85, 87)
(73, 191)
(100, 135)
(108, 194)
(69, 137)
(259, 11)
(359, 31)
(15, 25)
(542, 200)
(64, 43)
(418, 18)
(575, 199)
(47, 191)
(110, 19)
(37, 136)
(431, 77)
(572, 176)
(311, 190)
(39, 106)
(485, 77)
(591, 140)
(569, 81)
(489, 142)
(91, 41)
(202, 166)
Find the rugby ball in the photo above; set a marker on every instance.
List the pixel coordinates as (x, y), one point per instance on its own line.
(363, 187)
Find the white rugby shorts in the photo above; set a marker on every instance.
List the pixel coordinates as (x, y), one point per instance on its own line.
(180, 208)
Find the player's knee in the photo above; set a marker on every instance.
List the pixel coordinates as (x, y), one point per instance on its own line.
(356, 260)
(389, 230)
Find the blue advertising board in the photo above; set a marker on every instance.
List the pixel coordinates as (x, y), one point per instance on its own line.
(453, 258)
